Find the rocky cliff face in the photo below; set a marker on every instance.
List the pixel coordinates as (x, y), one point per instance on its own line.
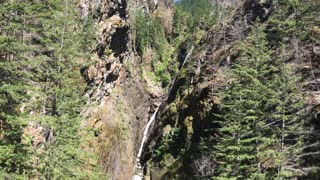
(182, 122)
(120, 100)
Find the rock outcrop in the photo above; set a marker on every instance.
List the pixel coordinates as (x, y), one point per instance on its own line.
(120, 100)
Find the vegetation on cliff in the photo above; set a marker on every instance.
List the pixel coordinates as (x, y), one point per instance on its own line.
(244, 106)
(165, 37)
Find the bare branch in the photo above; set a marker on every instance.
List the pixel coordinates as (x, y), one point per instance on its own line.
(204, 166)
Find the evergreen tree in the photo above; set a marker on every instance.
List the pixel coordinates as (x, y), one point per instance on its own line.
(286, 114)
(196, 13)
(41, 45)
(14, 154)
(62, 92)
(241, 138)
(259, 128)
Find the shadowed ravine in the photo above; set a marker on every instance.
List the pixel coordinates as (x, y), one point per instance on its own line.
(138, 168)
(160, 89)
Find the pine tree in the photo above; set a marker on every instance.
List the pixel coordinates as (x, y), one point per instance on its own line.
(286, 108)
(14, 154)
(62, 92)
(239, 127)
(259, 127)
(41, 44)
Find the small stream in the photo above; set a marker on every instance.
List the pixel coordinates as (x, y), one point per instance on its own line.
(187, 56)
(183, 63)
(138, 168)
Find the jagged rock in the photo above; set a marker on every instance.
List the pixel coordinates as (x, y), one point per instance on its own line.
(314, 98)
(119, 103)
(316, 50)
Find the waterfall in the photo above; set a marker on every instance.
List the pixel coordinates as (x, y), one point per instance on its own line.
(145, 133)
(139, 172)
(144, 138)
(183, 63)
(187, 56)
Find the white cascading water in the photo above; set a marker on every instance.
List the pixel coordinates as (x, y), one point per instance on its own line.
(138, 167)
(184, 62)
(187, 56)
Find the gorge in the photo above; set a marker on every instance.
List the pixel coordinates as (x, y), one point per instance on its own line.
(159, 89)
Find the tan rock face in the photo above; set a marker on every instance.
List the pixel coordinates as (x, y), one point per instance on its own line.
(33, 133)
(166, 16)
(314, 98)
(119, 99)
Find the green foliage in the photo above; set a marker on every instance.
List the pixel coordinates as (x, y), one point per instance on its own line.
(193, 18)
(190, 14)
(171, 144)
(260, 121)
(14, 154)
(41, 45)
(260, 131)
(150, 34)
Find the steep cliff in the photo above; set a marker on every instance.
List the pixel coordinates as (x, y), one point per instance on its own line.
(183, 123)
(121, 100)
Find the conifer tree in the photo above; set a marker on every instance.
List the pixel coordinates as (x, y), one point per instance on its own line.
(260, 126)
(62, 91)
(238, 147)
(41, 44)
(14, 154)
(286, 113)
